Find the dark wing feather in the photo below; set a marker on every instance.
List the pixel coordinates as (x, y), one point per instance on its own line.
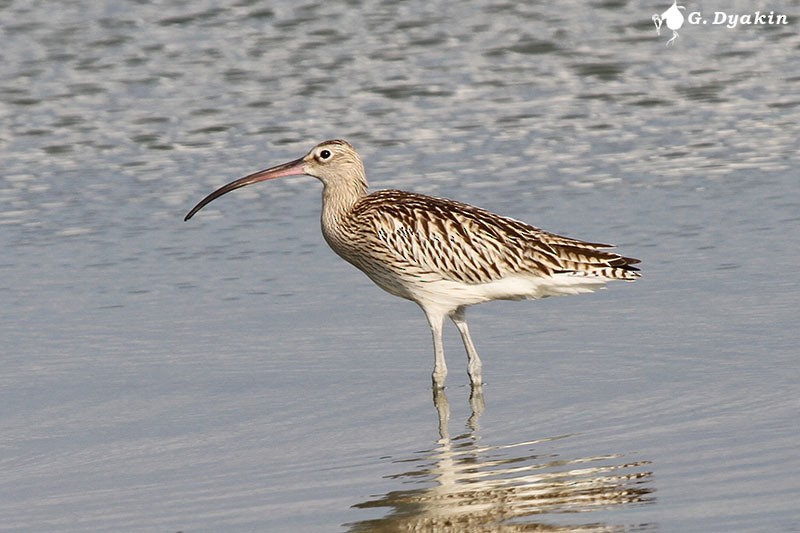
(468, 244)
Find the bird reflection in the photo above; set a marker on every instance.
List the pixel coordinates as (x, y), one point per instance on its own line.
(461, 485)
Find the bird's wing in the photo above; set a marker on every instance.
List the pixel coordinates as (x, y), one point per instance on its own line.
(467, 244)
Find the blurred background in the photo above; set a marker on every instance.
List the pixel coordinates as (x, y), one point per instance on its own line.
(231, 373)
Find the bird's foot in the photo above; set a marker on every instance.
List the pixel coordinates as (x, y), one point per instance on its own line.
(475, 376)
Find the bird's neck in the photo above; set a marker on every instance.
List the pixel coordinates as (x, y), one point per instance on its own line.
(339, 196)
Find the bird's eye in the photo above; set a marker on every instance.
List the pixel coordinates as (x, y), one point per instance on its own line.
(325, 154)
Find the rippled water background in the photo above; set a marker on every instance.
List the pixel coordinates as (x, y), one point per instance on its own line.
(231, 373)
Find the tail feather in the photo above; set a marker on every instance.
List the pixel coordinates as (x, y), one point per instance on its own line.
(597, 263)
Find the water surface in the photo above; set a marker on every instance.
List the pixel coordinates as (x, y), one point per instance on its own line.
(231, 373)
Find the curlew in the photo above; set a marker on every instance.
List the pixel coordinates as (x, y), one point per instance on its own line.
(441, 254)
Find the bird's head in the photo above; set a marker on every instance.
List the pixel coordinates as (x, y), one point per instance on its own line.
(333, 162)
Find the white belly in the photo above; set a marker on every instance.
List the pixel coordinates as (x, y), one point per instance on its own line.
(431, 290)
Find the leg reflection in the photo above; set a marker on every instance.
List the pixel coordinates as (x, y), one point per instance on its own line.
(461, 485)
(477, 404)
(443, 409)
(442, 404)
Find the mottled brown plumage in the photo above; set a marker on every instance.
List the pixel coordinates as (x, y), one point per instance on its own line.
(442, 254)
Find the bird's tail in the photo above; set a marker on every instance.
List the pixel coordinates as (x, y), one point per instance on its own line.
(593, 261)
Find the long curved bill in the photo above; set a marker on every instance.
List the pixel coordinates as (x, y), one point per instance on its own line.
(292, 168)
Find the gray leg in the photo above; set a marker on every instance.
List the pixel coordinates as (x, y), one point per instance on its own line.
(435, 320)
(474, 362)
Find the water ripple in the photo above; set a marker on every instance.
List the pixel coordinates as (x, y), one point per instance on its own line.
(462, 484)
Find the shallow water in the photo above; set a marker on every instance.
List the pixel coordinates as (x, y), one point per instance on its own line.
(231, 373)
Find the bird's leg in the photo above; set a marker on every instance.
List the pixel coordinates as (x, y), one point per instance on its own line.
(435, 320)
(474, 362)
(674, 36)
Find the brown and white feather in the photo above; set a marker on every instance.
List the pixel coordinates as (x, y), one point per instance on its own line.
(400, 238)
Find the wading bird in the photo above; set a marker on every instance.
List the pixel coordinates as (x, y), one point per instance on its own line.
(441, 254)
